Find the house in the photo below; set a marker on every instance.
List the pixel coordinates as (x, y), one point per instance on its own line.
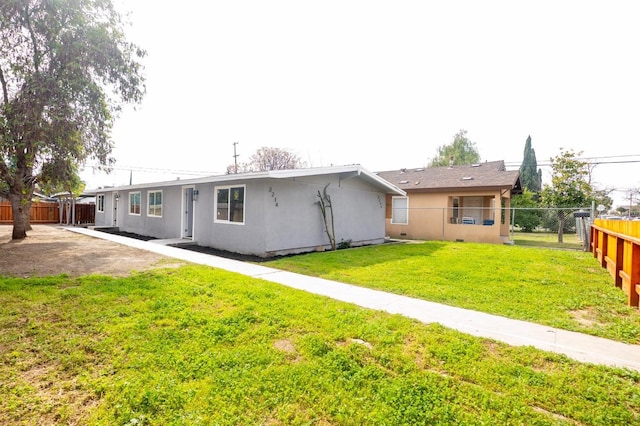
(265, 213)
(456, 203)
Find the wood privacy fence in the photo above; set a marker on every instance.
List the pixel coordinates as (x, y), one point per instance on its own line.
(616, 245)
(49, 212)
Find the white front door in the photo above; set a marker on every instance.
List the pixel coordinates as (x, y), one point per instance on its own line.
(188, 209)
(114, 200)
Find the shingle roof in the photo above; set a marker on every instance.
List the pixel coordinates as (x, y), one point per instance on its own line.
(488, 175)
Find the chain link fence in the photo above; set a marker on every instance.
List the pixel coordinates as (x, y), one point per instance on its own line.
(546, 227)
(568, 226)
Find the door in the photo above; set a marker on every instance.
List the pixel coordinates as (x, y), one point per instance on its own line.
(114, 200)
(188, 207)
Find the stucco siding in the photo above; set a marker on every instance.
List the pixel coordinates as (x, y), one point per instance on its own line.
(246, 237)
(430, 217)
(293, 219)
(165, 226)
(295, 222)
(105, 216)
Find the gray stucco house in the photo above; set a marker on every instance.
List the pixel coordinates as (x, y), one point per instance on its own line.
(265, 213)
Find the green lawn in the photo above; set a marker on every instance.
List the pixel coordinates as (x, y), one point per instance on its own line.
(559, 288)
(547, 240)
(195, 345)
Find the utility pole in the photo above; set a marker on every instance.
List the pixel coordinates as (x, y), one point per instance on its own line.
(235, 158)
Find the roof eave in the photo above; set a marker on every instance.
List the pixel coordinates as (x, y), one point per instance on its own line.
(274, 174)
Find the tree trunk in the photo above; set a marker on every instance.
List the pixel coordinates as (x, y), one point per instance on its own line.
(561, 220)
(21, 208)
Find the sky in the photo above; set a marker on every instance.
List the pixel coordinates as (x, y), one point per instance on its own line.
(378, 83)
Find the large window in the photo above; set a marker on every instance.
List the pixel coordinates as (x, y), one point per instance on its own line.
(134, 203)
(229, 204)
(154, 203)
(400, 210)
(100, 203)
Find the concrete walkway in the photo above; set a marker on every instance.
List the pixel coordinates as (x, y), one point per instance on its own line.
(580, 347)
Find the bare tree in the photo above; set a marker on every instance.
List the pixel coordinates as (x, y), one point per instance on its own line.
(269, 158)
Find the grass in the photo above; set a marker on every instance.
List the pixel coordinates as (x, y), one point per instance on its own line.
(547, 240)
(559, 288)
(195, 345)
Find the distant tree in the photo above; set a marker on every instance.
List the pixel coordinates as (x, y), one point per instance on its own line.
(530, 174)
(267, 158)
(460, 151)
(622, 210)
(65, 71)
(527, 215)
(569, 187)
(601, 197)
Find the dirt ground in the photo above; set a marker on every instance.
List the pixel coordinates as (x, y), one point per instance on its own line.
(52, 250)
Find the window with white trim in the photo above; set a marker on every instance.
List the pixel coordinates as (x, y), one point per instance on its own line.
(400, 210)
(229, 204)
(100, 203)
(134, 203)
(154, 203)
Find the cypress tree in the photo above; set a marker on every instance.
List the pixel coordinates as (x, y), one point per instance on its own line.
(530, 174)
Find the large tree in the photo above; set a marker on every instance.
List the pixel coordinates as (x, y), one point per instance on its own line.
(530, 174)
(66, 69)
(460, 151)
(569, 187)
(268, 158)
(526, 212)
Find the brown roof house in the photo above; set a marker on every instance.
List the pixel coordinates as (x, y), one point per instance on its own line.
(455, 203)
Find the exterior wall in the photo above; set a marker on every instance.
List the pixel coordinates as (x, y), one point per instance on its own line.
(165, 226)
(245, 238)
(430, 217)
(281, 215)
(105, 218)
(296, 223)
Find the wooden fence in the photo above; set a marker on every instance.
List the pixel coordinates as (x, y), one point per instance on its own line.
(616, 245)
(49, 212)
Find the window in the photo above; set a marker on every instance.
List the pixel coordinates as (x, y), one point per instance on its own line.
(134, 203)
(154, 203)
(400, 210)
(229, 204)
(100, 203)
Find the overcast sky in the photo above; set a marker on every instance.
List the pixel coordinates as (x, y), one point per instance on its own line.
(380, 83)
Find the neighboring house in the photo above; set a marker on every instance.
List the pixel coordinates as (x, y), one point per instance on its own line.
(468, 203)
(265, 213)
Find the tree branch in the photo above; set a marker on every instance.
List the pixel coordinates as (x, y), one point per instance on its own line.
(5, 90)
(34, 40)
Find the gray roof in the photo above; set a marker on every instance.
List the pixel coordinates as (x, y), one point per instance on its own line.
(488, 175)
(348, 171)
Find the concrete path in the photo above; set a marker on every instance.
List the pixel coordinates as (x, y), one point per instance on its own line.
(580, 347)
